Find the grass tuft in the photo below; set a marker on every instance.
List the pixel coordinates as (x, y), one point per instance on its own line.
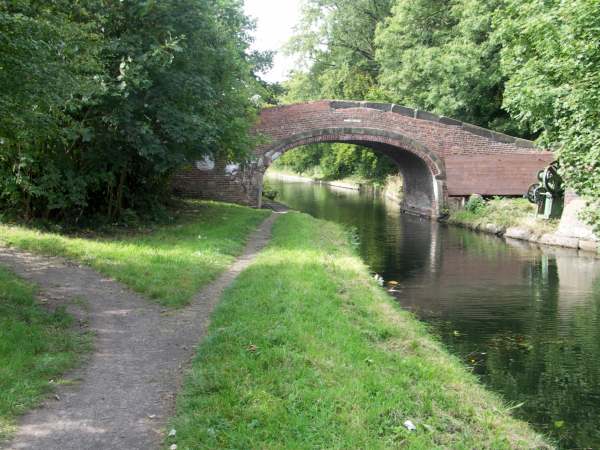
(36, 346)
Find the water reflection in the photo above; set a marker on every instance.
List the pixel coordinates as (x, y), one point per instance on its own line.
(526, 320)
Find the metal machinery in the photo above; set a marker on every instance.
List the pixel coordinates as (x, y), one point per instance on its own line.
(548, 194)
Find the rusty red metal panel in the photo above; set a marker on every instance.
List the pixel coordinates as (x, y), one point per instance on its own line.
(494, 174)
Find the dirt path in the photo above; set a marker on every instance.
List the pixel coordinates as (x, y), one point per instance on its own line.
(124, 394)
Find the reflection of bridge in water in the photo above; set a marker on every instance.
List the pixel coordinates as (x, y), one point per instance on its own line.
(438, 157)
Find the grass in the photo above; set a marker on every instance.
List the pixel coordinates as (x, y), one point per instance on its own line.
(168, 264)
(36, 346)
(305, 350)
(504, 213)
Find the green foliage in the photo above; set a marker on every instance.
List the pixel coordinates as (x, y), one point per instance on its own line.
(551, 58)
(475, 204)
(101, 101)
(502, 213)
(303, 159)
(337, 161)
(336, 37)
(36, 346)
(336, 41)
(269, 191)
(441, 57)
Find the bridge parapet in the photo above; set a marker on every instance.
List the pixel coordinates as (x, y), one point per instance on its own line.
(425, 115)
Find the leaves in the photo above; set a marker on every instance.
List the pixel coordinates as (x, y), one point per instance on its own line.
(104, 100)
(553, 84)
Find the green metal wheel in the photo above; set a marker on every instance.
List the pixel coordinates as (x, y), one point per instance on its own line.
(552, 181)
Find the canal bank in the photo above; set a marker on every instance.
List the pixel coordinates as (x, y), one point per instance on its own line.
(306, 350)
(515, 218)
(524, 318)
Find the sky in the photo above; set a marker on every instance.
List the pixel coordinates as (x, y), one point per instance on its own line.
(275, 25)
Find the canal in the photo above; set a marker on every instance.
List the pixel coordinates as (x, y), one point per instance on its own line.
(525, 320)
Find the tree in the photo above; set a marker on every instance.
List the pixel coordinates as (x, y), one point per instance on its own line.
(551, 57)
(336, 43)
(336, 39)
(49, 71)
(119, 95)
(441, 56)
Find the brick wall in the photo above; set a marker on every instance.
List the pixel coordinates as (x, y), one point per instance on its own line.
(459, 158)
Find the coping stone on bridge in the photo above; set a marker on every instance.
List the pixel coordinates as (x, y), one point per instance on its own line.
(431, 117)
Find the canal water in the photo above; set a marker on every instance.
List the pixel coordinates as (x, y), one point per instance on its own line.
(525, 319)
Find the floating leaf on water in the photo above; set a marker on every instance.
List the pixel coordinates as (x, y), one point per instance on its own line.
(559, 423)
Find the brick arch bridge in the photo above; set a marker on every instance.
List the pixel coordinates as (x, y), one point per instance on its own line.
(438, 157)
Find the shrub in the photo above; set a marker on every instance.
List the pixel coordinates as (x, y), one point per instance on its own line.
(475, 204)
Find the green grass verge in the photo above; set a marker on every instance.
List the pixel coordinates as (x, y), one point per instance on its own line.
(36, 346)
(306, 351)
(504, 213)
(168, 264)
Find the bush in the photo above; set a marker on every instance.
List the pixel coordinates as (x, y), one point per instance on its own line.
(475, 204)
(337, 161)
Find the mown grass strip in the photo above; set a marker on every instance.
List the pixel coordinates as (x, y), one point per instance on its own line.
(169, 264)
(36, 346)
(306, 351)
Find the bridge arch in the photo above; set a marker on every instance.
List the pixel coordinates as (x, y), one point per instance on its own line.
(440, 157)
(423, 171)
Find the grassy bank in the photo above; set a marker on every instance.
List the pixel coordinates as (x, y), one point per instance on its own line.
(168, 263)
(306, 351)
(36, 346)
(499, 214)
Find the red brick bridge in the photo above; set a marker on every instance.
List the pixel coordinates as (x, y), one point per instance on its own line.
(438, 157)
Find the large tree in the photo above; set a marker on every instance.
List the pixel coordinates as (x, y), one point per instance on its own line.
(117, 95)
(336, 46)
(442, 56)
(336, 40)
(551, 56)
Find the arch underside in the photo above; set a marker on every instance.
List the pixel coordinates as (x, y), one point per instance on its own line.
(423, 172)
